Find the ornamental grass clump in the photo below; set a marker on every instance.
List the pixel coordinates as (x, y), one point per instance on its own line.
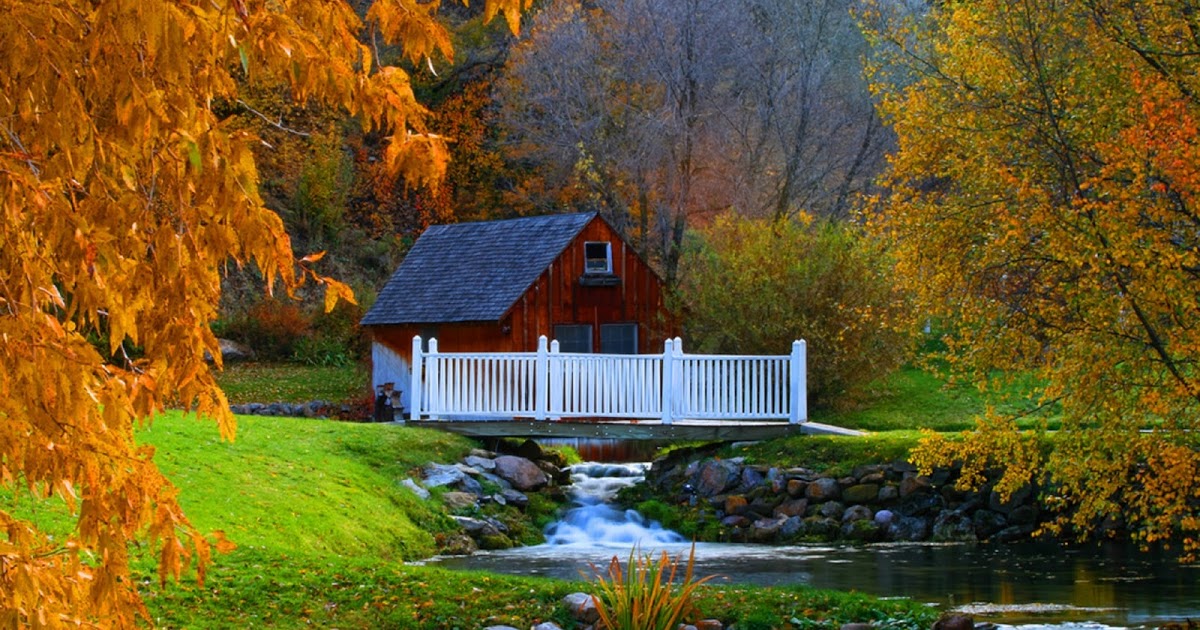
(645, 595)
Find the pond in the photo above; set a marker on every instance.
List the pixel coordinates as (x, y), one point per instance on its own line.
(1029, 584)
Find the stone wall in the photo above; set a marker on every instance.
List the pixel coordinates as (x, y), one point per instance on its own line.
(885, 502)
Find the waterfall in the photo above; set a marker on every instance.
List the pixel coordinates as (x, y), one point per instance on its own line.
(594, 520)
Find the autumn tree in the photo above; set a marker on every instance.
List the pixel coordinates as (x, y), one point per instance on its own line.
(661, 113)
(123, 193)
(1044, 202)
(751, 286)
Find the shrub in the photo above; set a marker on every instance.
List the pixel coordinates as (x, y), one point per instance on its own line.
(751, 287)
(270, 327)
(645, 596)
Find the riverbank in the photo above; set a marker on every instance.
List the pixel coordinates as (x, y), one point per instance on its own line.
(716, 498)
(324, 525)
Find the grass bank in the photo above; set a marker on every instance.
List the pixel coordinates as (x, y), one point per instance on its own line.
(322, 527)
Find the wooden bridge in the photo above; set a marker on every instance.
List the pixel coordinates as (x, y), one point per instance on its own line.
(671, 395)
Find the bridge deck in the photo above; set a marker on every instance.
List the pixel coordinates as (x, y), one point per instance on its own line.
(707, 430)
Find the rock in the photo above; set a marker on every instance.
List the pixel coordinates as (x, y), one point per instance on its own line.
(857, 513)
(821, 527)
(751, 479)
(796, 487)
(709, 624)
(1013, 533)
(736, 505)
(457, 545)
(908, 529)
(476, 528)
(1024, 515)
(954, 621)
(469, 484)
(232, 351)
(857, 626)
(878, 478)
(885, 517)
(437, 475)
(514, 498)
(862, 530)
(921, 504)
(792, 507)
(953, 527)
(504, 485)
(559, 475)
(889, 493)
(417, 490)
(499, 628)
(495, 542)
(523, 474)
(456, 501)
(764, 507)
(547, 625)
(715, 476)
(479, 452)
(791, 528)
(913, 484)
(483, 464)
(530, 450)
(823, 489)
(766, 529)
(736, 522)
(901, 467)
(833, 510)
(987, 523)
(582, 607)
(861, 493)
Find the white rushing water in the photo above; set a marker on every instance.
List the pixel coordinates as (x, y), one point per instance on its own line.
(594, 522)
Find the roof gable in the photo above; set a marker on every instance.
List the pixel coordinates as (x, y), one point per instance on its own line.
(467, 272)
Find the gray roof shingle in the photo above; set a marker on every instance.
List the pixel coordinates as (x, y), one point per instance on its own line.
(470, 272)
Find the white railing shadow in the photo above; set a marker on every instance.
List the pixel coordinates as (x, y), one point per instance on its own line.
(549, 384)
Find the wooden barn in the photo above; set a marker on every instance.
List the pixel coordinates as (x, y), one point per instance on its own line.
(496, 286)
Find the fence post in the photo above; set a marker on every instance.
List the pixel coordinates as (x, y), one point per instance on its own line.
(668, 381)
(541, 374)
(432, 376)
(799, 406)
(414, 386)
(555, 365)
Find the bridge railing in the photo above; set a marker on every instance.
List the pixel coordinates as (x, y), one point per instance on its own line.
(548, 384)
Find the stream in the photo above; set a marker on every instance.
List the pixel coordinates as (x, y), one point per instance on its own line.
(1029, 585)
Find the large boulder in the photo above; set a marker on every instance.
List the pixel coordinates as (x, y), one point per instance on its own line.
(715, 476)
(582, 607)
(823, 489)
(523, 474)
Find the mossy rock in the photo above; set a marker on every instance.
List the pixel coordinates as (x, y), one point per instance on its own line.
(494, 542)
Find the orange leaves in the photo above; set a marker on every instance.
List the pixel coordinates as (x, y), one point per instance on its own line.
(122, 196)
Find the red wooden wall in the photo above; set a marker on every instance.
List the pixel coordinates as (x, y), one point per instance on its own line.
(557, 297)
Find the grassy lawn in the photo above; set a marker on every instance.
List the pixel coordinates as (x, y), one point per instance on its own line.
(292, 383)
(322, 527)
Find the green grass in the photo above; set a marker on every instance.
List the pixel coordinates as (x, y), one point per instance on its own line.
(834, 455)
(304, 486)
(915, 398)
(292, 383)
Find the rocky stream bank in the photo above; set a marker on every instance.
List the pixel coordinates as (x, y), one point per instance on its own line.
(728, 500)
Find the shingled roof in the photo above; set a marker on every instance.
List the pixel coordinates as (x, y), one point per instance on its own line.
(473, 272)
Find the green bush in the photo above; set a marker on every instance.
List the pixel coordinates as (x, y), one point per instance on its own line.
(751, 287)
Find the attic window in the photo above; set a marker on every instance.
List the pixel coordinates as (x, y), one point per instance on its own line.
(597, 258)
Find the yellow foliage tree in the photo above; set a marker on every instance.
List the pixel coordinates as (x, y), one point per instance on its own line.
(122, 196)
(1045, 201)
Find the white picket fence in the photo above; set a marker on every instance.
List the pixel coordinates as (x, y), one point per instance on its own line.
(549, 384)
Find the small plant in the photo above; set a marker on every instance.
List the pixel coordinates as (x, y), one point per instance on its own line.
(645, 595)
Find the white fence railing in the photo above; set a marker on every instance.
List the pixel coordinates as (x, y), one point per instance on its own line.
(549, 384)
